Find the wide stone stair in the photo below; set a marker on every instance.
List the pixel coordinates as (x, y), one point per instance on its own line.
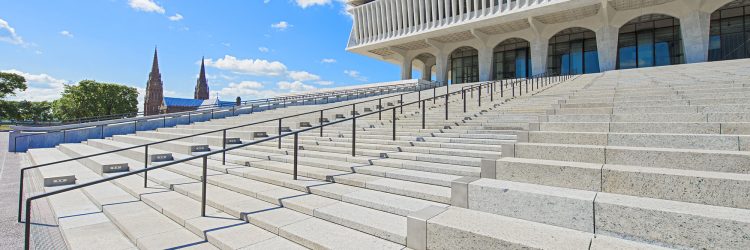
(634, 159)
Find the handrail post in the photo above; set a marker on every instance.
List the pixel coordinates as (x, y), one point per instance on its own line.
(296, 148)
(492, 92)
(279, 133)
(321, 123)
(20, 195)
(394, 124)
(446, 104)
(434, 94)
(513, 88)
(145, 166)
(27, 227)
(479, 95)
(423, 113)
(501, 88)
(224, 147)
(402, 104)
(380, 109)
(203, 188)
(463, 95)
(354, 132)
(419, 98)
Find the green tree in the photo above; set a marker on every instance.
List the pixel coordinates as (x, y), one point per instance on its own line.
(10, 83)
(90, 98)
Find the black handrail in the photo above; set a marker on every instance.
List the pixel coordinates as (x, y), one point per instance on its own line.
(23, 170)
(224, 149)
(203, 107)
(189, 113)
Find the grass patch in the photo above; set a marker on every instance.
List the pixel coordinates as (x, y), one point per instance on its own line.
(4, 127)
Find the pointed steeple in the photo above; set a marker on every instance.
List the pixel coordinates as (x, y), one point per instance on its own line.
(154, 89)
(201, 86)
(155, 64)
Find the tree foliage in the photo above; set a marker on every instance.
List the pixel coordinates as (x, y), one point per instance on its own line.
(26, 111)
(90, 98)
(10, 83)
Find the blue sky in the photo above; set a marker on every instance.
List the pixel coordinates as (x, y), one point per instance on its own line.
(253, 48)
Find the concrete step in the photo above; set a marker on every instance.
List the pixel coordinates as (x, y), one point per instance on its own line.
(652, 140)
(686, 159)
(572, 209)
(177, 146)
(99, 164)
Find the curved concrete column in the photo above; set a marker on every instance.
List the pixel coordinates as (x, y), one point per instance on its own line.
(485, 64)
(442, 68)
(427, 72)
(695, 27)
(539, 47)
(606, 44)
(406, 68)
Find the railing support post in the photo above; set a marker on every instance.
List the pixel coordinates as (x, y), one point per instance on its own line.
(394, 124)
(380, 109)
(423, 113)
(203, 188)
(446, 105)
(463, 95)
(145, 165)
(20, 196)
(296, 148)
(402, 104)
(224, 147)
(354, 132)
(321, 123)
(479, 95)
(279, 133)
(27, 227)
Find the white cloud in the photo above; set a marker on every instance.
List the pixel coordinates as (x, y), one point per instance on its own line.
(8, 34)
(176, 17)
(324, 83)
(66, 33)
(355, 74)
(307, 3)
(245, 90)
(328, 60)
(263, 49)
(257, 67)
(283, 25)
(266, 1)
(302, 76)
(225, 44)
(41, 87)
(295, 86)
(146, 6)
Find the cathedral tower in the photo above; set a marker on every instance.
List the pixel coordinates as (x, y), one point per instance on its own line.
(154, 89)
(201, 87)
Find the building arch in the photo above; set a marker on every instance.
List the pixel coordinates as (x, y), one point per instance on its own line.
(511, 59)
(650, 40)
(729, 35)
(464, 65)
(573, 51)
(424, 62)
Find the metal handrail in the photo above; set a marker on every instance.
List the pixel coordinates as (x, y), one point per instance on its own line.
(357, 92)
(146, 146)
(225, 149)
(219, 106)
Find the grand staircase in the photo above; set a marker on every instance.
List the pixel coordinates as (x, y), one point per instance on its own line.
(634, 159)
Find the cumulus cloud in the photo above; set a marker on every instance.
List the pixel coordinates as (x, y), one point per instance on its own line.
(255, 67)
(302, 76)
(307, 3)
(8, 34)
(324, 83)
(295, 86)
(283, 25)
(176, 17)
(263, 49)
(245, 90)
(66, 33)
(328, 60)
(41, 87)
(146, 6)
(355, 74)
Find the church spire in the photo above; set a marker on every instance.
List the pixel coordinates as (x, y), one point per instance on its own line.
(201, 87)
(154, 89)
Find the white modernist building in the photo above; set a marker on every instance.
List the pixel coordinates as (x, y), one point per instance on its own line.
(479, 40)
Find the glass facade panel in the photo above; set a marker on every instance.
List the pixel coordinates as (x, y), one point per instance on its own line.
(729, 32)
(464, 66)
(512, 59)
(650, 40)
(573, 51)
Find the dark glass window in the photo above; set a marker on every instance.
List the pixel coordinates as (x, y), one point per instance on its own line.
(464, 65)
(730, 32)
(650, 40)
(512, 59)
(573, 51)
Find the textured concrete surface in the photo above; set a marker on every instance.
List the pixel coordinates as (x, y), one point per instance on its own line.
(11, 232)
